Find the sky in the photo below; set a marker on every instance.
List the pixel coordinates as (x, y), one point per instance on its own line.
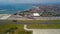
(29, 1)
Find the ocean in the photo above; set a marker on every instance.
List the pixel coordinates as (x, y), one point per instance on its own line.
(11, 9)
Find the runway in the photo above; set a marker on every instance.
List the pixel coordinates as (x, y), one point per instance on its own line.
(43, 31)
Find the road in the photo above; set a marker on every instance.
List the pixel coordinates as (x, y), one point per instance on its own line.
(16, 17)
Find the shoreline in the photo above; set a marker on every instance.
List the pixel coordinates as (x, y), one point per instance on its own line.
(28, 9)
(4, 16)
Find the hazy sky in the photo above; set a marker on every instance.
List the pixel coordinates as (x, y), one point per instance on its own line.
(29, 1)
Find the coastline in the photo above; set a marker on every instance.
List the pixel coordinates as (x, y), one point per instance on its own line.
(4, 16)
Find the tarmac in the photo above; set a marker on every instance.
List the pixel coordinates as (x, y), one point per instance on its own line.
(43, 31)
(15, 17)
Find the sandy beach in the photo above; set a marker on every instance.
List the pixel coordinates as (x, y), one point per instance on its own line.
(4, 16)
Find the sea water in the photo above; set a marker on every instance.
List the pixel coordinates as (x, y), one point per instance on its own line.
(11, 9)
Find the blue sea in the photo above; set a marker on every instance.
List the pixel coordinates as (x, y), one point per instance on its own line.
(11, 9)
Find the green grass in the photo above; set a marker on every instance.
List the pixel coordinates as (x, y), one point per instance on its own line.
(32, 21)
(44, 26)
(53, 24)
(55, 21)
(7, 24)
(39, 21)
